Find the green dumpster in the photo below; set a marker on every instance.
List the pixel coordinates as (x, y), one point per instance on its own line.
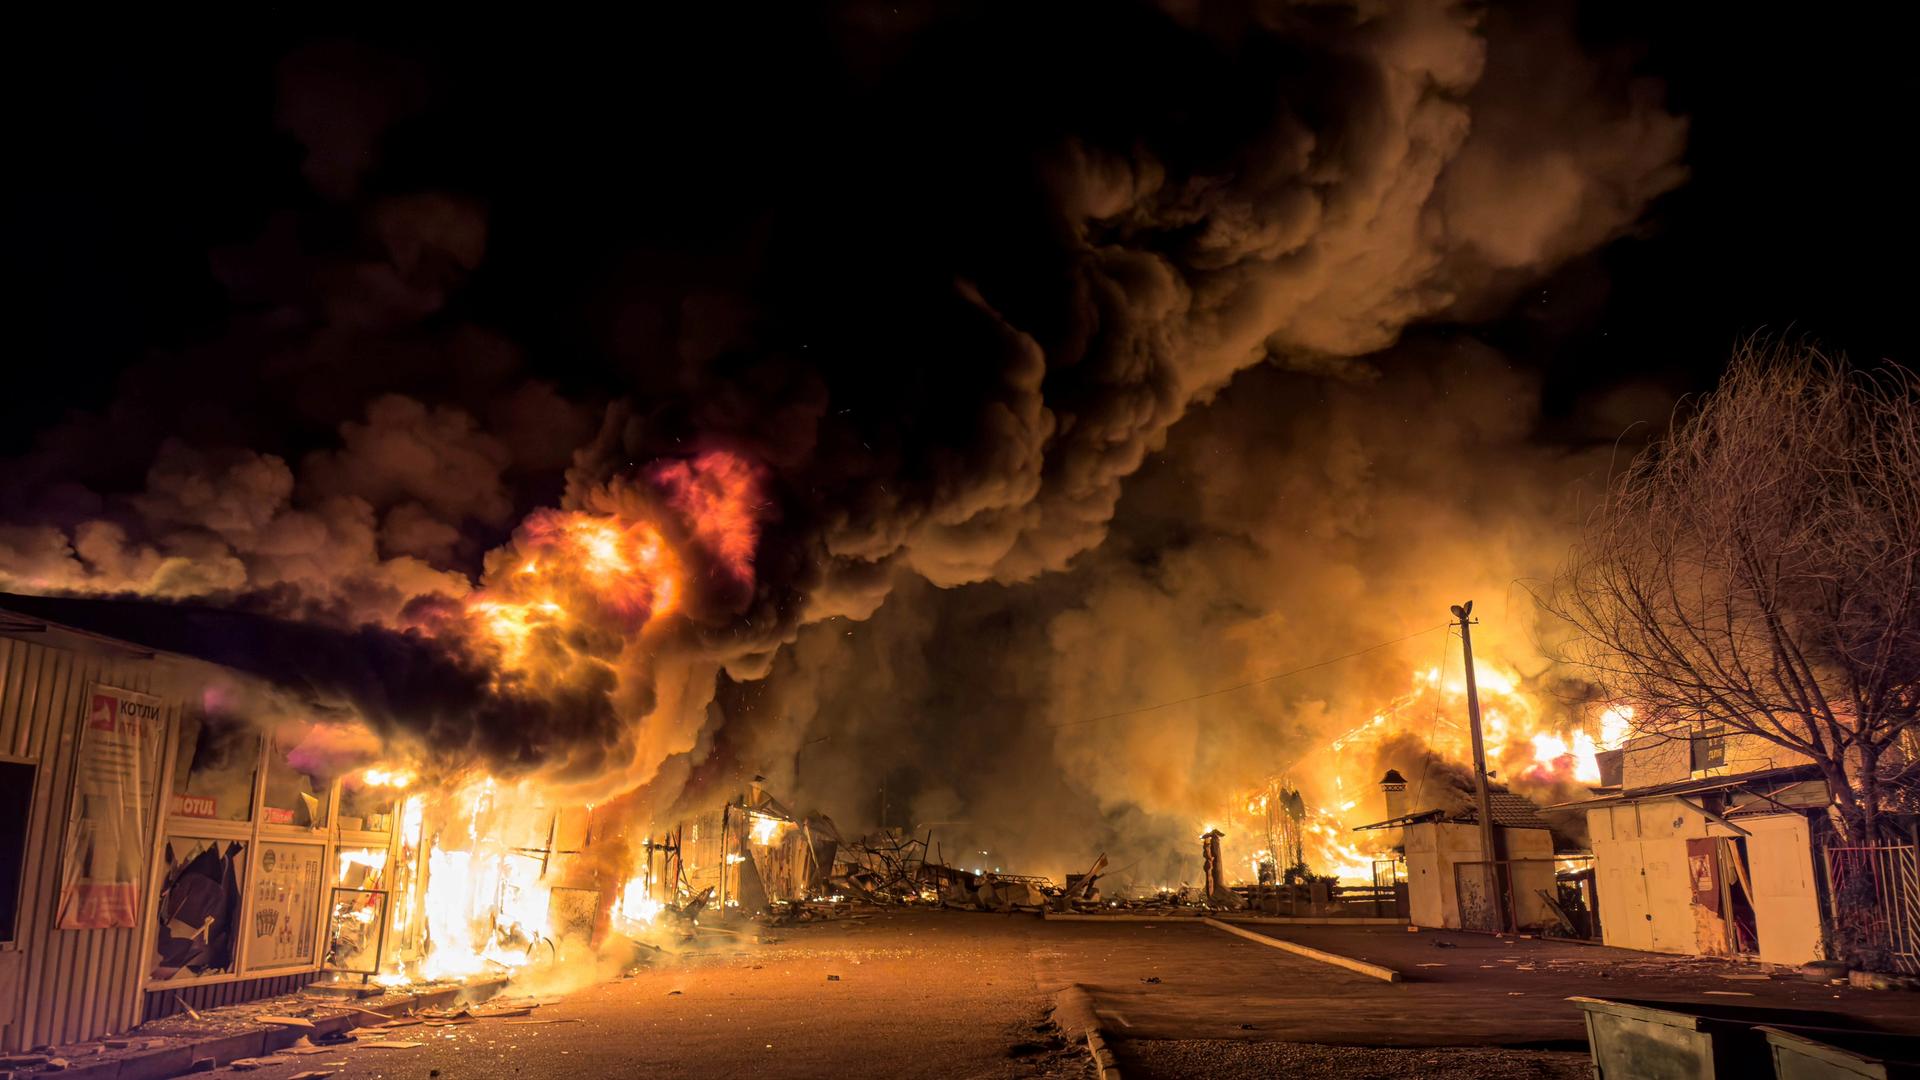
(1642, 1039)
(1826, 1054)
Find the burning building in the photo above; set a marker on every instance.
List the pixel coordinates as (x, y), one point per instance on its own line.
(181, 833)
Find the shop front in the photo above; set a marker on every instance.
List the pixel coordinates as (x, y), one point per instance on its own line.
(161, 849)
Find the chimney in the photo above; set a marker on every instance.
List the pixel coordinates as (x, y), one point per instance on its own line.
(1394, 787)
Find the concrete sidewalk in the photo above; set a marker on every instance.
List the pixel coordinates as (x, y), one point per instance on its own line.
(1456, 974)
(1459, 989)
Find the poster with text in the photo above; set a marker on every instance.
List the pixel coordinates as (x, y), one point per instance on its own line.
(286, 905)
(116, 771)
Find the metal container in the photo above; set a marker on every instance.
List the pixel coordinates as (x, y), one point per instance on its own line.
(1638, 1039)
(1826, 1054)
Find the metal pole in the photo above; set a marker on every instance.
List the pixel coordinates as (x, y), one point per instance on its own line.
(1487, 849)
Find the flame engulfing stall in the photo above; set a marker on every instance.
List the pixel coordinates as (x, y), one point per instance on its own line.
(1301, 823)
(239, 844)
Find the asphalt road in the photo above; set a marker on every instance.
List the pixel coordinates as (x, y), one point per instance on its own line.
(952, 994)
(916, 995)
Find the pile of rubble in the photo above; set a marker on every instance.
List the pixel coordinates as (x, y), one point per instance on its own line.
(886, 870)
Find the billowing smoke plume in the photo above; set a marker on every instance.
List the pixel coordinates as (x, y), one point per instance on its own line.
(940, 303)
(1293, 520)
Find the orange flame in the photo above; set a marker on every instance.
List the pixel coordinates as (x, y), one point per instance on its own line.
(611, 567)
(1524, 747)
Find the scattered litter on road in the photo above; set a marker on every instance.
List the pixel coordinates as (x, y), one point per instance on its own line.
(1151, 979)
(833, 978)
(391, 1044)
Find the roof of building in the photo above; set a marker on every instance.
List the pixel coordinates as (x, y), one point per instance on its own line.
(1510, 811)
(384, 673)
(1765, 784)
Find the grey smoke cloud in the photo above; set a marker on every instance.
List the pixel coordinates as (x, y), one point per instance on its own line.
(951, 332)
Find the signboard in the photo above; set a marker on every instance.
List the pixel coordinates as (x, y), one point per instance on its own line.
(286, 903)
(115, 772)
(200, 806)
(1703, 872)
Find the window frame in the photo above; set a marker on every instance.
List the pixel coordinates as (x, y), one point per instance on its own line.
(254, 832)
(10, 935)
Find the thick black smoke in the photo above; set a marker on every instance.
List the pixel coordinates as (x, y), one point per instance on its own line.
(948, 274)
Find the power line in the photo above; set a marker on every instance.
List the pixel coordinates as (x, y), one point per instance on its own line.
(1254, 682)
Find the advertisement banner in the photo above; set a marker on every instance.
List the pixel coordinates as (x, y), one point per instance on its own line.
(116, 771)
(286, 905)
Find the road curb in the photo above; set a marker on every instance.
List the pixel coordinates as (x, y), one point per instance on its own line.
(1372, 971)
(1075, 1006)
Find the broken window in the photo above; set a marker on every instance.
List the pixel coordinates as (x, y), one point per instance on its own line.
(198, 905)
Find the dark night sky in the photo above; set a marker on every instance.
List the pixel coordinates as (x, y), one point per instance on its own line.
(139, 154)
(951, 273)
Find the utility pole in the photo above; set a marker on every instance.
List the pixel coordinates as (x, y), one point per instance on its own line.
(1496, 895)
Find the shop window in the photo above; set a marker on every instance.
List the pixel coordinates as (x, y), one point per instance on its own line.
(361, 868)
(199, 905)
(356, 931)
(286, 905)
(297, 783)
(214, 767)
(16, 806)
(358, 921)
(365, 807)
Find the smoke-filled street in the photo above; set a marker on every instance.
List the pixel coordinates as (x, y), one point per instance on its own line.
(959, 538)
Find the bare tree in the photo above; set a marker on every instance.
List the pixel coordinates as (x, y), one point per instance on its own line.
(1759, 568)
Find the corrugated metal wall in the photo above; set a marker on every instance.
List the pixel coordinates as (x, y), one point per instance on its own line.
(213, 995)
(67, 984)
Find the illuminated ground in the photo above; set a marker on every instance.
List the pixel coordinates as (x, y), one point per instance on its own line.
(963, 994)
